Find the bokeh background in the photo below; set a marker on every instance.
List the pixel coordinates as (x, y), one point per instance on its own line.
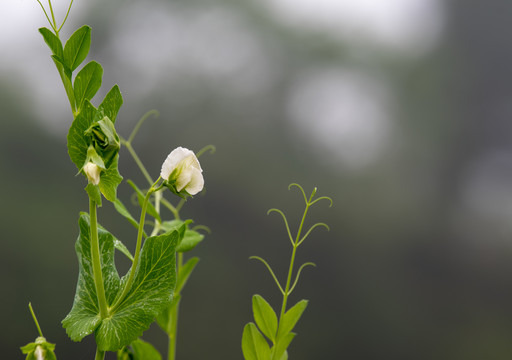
(400, 110)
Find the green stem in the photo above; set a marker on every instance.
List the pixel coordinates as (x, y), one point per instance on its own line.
(174, 331)
(138, 247)
(292, 261)
(138, 161)
(96, 261)
(100, 355)
(54, 25)
(173, 316)
(35, 320)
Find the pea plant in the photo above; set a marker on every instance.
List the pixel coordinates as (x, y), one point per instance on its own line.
(117, 309)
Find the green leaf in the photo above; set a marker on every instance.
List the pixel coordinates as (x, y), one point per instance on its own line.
(110, 180)
(78, 142)
(123, 249)
(65, 75)
(151, 290)
(254, 346)
(34, 350)
(265, 317)
(84, 316)
(77, 47)
(290, 318)
(111, 103)
(190, 239)
(52, 41)
(143, 350)
(94, 193)
(140, 197)
(185, 272)
(87, 83)
(121, 209)
(278, 352)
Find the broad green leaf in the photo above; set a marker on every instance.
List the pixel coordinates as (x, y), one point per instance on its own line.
(111, 103)
(87, 83)
(121, 209)
(110, 180)
(123, 249)
(84, 316)
(52, 41)
(150, 292)
(290, 318)
(190, 239)
(265, 317)
(78, 142)
(140, 197)
(278, 351)
(143, 350)
(139, 350)
(77, 47)
(254, 346)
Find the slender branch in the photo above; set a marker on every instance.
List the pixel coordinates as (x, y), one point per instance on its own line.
(285, 223)
(301, 190)
(271, 272)
(47, 17)
(210, 148)
(169, 206)
(53, 16)
(322, 198)
(298, 274)
(35, 320)
(140, 122)
(66, 17)
(311, 229)
(137, 160)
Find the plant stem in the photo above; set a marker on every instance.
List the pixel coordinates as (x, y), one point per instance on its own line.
(100, 355)
(96, 261)
(138, 161)
(292, 261)
(173, 316)
(174, 331)
(35, 320)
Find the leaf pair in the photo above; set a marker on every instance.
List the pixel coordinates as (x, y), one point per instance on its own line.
(151, 291)
(68, 58)
(254, 345)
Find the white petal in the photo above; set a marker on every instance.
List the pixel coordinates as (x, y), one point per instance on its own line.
(196, 183)
(173, 159)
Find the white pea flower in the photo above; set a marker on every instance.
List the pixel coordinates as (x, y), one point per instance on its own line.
(182, 171)
(92, 171)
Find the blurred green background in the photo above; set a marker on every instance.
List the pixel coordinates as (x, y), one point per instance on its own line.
(399, 110)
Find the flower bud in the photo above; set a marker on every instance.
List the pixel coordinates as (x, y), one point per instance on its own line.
(182, 172)
(92, 171)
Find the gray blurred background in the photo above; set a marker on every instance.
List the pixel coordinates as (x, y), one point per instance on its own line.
(399, 110)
